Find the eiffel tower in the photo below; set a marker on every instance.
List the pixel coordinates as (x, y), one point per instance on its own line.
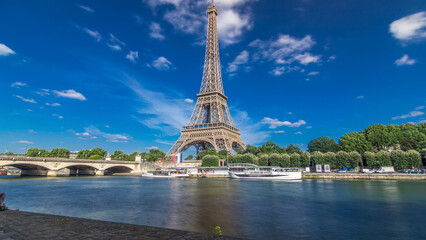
(210, 125)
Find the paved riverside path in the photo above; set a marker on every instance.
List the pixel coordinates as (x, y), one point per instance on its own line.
(27, 225)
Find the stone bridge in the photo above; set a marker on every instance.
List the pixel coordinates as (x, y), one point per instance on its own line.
(52, 167)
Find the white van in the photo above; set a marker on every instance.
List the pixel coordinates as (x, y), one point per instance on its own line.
(385, 170)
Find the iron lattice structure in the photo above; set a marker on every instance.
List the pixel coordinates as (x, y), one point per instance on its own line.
(210, 125)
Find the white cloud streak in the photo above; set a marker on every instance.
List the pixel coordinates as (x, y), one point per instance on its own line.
(93, 131)
(5, 50)
(155, 33)
(274, 123)
(18, 84)
(26, 142)
(411, 27)
(240, 60)
(70, 94)
(86, 8)
(161, 64)
(95, 34)
(405, 60)
(409, 115)
(133, 56)
(26, 99)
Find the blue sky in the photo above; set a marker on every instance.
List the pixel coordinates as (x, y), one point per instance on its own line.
(124, 74)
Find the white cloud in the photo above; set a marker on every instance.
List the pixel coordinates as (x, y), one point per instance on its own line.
(188, 100)
(43, 92)
(420, 107)
(307, 58)
(309, 127)
(418, 122)
(285, 50)
(331, 58)
(360, 97)
(133, 56)
(155, 33)
(115, 47)
(58, 116)
(279, 131)
(32, 131)
(25, 142)
(152, 147)
(298, 133)
(18, 84)
(161, 64)
(189, 17)
(85, 135)
(411, 27)
(241, 59)
(409, 115)
(251, 132)
(86, 8)
(53, 104)
(95, 34)
(313, 73)
(405, 60)
(274, 123)
(26, 99)
(70, 94)
(115, 40)
(93, 131)
(5, 50)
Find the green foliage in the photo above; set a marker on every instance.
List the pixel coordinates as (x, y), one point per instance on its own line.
(354, 159)
(82, 154)
(270, 147)
(87, 153)
(378, 135)
(399, 159)
(210, 151)
(295, 160)
(155, 154)
(252, 149)
(383, 159)
(423, 154)
(263, 160)
(242, 158)
(121, 156)
(33, 152)
(330, 158)
(305, 159)
(342, 159)
(323, 144)
(218, 230)
(293, 149)
(56, 152)
(96, 157)
(371, 160)
(279, 160)
(355, 141)
(210, 161)
(413, 159)
(318, 158)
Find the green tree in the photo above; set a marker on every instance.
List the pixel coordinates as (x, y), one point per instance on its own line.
(96, 157)
(33, 152)
(371, 160)
(210, 161)
(330, 158)
(270, 147)
(305, 159)
(83, 154)
(295, 160)
(263, 159)
(355, 141)
(354, 159)
(98, 151)
(378, 135)
(399, 159)
(222, 154)
(252, 149)
(383, 159)
(318, 158)
(247, 158)
(413, 159)
(342, 159)
(121, 156)
(210, 151)
(293, 149)
(323, 144)
(423, 154)
(155, 154)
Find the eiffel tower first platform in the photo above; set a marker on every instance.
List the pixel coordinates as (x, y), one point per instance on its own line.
(210, 125)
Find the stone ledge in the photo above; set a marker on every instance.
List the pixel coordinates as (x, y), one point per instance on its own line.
(28, 225)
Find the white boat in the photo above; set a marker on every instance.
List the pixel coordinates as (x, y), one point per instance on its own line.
(166, 173)
(251, 171)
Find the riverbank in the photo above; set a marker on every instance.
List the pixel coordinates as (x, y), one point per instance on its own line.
(28, 225)
(364, 176)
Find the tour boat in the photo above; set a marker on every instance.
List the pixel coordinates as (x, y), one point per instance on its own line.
(166, 173)
(3, 171)
(251, 171)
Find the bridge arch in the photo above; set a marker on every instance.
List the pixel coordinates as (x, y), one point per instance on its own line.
(199, 144)
(117, 169)
(27, 166)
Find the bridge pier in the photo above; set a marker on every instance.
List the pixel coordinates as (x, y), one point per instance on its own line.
(99, 172)
(52, 173)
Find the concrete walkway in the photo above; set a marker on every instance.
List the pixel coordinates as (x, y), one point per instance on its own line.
(26, 225)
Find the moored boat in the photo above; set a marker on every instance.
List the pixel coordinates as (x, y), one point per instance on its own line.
(251, 171)
(3, 171)
(167, 173)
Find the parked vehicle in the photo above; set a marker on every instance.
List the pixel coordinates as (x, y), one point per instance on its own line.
(414, 171)
(366, 170)
(341, 171)
(385, 170)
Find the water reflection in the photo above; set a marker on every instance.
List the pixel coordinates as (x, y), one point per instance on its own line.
(256, 209)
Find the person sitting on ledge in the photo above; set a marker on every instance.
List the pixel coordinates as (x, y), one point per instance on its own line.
(2, 204)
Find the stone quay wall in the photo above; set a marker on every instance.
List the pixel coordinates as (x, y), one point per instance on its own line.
(364, 176)
(27, 225)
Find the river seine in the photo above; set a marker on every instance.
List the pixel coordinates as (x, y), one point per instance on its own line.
(255, 209)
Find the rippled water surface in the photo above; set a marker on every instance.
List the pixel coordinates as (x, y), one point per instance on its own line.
(254, 209)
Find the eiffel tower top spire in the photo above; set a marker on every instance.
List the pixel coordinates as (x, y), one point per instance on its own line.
(212, 76)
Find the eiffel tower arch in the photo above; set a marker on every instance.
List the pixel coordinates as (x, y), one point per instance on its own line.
(210, 125)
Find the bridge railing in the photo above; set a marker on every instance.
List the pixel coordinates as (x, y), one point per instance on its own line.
(48, 159)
